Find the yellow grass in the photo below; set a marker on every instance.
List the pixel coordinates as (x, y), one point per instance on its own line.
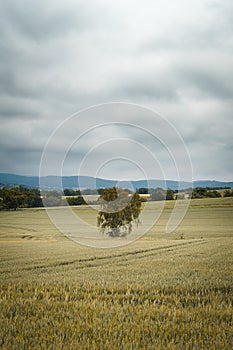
(160, 292)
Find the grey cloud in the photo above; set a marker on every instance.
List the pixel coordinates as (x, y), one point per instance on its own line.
(20, 162)
(16, 108)
(208, 81)
(44, 20)
(58, 57)
(212, 29)
(156, 86)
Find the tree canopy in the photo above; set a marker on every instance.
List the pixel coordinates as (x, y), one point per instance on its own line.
(13, 198)
(118, 210)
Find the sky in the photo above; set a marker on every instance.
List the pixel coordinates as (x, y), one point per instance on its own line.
(61, 57)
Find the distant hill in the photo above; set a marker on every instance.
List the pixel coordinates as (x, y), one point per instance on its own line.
(82, 182)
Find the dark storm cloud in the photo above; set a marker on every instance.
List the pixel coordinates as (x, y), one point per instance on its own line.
(57, 57)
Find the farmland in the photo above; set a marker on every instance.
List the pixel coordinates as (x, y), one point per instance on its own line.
(163, 291)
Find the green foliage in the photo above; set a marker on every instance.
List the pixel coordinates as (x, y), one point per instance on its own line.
(213, 194)
(118, 211)
(169, 195)
(228, 193)
(33, 197)
(77, 200)
(158, 194)
(201, 192)
(143, 199)
(71, 192)
(13, 198)
(100, 191)
(20, 197)
(142, 190)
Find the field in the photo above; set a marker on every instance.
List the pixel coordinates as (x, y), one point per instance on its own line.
(163, 291)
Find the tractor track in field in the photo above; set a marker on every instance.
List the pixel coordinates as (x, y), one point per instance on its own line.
(103, 260)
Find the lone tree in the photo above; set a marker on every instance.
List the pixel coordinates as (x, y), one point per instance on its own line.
(118, 211)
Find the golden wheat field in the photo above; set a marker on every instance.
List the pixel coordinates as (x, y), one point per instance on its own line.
(163, 291)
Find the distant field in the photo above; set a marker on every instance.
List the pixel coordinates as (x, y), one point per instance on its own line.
(160, 292)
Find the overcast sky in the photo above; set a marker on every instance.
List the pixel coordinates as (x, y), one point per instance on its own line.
(58, 57)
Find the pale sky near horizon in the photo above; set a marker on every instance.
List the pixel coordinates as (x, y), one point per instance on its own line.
(174, 57)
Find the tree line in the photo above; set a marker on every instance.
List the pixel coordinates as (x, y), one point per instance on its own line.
(207, 192)
(23, 197)
(20, 197)
(159, 194)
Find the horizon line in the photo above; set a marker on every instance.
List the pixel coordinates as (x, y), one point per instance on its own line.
(114, 179)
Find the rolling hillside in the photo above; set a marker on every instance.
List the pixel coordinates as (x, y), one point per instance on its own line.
(55, 182)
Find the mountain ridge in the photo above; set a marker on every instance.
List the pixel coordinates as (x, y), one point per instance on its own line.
(53, 182)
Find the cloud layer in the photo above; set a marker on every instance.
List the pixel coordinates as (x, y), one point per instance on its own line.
(59, 57)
